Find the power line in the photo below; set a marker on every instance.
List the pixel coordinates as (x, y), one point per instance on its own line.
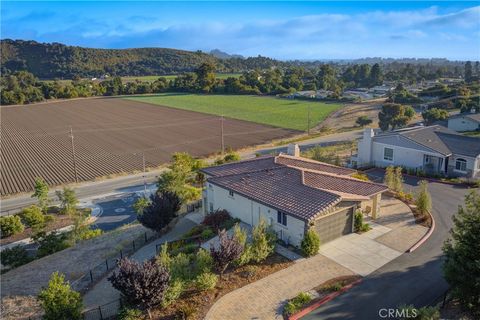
(73, 155)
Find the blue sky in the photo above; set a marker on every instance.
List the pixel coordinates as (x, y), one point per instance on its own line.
(283, 30)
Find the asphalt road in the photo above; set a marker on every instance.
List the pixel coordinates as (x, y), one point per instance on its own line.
(413, 278)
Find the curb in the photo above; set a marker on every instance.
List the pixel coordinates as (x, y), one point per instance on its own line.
(425, 237)
(316, 304)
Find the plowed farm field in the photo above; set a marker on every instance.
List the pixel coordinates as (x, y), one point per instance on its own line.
(110, 136)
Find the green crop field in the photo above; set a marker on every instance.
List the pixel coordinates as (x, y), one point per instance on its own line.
(279, 112)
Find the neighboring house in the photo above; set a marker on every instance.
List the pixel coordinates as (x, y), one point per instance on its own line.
(292, 194)
(464, 122)
(433, 149)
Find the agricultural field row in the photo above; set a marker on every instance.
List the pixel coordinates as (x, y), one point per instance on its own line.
(110, 135)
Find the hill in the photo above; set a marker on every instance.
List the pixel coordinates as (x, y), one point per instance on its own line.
(55, 60)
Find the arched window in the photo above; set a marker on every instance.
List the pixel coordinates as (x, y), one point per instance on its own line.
(461, 164)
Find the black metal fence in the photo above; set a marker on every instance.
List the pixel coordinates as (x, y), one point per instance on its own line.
(104, 312)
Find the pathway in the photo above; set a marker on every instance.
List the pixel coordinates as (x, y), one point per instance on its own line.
(264, 298)
(103, 292)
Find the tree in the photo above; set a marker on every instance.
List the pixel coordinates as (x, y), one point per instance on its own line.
(462, 264)
(59, 301)
(423, 199)
(310, 243)
(143, 284)
(41, 193)
(140, 205)
(205, 77)
(363, 121)
(394, 115)
(434, 114)
(10, 225)
(68, 200)
(263, 242)
(228, 250)
(15, 256)
(161, 210)
(33, 217)
(468, 72)
(376, 76)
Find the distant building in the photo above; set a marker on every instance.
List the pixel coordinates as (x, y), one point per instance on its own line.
(464, 122)
(433, 149)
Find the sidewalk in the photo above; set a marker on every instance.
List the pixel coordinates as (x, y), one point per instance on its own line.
(103, 292)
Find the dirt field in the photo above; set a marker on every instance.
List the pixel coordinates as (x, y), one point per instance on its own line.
(109, 137)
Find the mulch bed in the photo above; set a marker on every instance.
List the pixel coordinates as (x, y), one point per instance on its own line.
(59, 221)
(235, 279)
(422, 219)
(324, 288)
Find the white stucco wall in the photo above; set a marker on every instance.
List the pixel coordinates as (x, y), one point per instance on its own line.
(250, 212)
(401, 156)
(473, 166)
(462, 124)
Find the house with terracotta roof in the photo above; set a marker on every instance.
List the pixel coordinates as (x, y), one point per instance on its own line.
(292, 194)
(433, 149)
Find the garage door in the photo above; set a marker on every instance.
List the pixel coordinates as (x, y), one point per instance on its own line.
(335, 225)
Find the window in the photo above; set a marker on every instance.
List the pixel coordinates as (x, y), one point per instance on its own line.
(388, 154)
(230, 193)
(281, 218)
(461, 165)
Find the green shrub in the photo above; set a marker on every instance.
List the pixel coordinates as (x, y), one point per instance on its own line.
(164, 258)
(187, 249)
(358, 224)
(14, 257)
(185, 312)
(207, 233)
(360, 176)
(203, 261)
(206, 281)
(50, 243)
(33, 217)
(10, 225)
(173, 292)
(130, 314)
(86, 233)
(241, 235)
(423, 200)
(59, 301)
(310, 243)
(297, 303)
(263, 242)
(180, 267)
(424, 313)
(195, 231)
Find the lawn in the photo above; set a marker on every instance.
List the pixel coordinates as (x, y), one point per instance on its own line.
(279, 112)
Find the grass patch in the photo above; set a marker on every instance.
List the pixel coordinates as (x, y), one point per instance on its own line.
(279, 112)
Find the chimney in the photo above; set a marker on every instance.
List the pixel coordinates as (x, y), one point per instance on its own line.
(293, 150)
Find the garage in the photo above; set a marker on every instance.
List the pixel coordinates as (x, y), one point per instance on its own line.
(335, 225)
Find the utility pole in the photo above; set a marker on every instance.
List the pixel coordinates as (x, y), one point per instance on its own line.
(73, 155)
(144, 176)
(223, 139)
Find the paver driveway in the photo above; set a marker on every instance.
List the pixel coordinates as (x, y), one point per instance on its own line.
(263, 299)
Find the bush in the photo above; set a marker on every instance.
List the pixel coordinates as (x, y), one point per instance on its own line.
(195, 231)
(59, 301)
(423, 199)
(310, 243)
(203, 261)
(180, 267)
(297, 303)
(173, 292)
(231, 156)
(424, 313)
(263, 242)
(86, 233)
(206, 281)
(50, 243)
(15, 257)
(207, 233)
(185, 312)
(360, 176)
(228, 250)
(358, 224)
(10, 225)
(241, 235)
(130, 314)
(216, 219)
(33, 217)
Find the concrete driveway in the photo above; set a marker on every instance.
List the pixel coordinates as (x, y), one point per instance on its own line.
(360, 252)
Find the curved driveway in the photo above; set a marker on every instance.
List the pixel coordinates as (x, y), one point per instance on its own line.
(413, 278)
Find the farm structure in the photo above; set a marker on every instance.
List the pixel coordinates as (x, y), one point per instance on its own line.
(110, 136)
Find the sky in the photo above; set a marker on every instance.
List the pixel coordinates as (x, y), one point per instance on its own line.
(282, 30)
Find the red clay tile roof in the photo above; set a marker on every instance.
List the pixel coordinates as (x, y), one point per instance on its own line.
(304, 163)
(281, 188)
(251, 165)
(342, 184)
